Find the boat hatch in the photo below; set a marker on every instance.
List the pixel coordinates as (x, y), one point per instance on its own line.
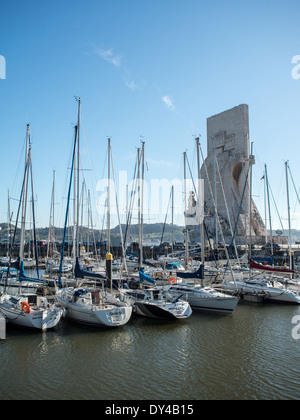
(13, 300)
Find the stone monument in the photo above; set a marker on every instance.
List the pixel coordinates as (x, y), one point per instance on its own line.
(227, 177)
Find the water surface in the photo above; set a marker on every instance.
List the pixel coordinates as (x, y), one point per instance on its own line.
(248, 355)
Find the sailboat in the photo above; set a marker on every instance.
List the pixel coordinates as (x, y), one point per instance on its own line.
(88, 303)
(28, 309)
(201, 298)
(151, 301)
(156, 302)
(270, 289)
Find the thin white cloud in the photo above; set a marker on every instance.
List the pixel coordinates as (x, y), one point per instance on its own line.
(131, 84)
(168, 102)
(109, 56)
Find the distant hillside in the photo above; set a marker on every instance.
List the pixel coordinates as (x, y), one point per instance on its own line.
(152, 233)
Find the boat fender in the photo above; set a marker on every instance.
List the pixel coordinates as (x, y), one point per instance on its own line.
(25, 307)
(172, 280)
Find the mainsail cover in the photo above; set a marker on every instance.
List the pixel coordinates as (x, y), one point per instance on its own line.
(257, 266)
(266, 260)
(23, 277)
(199, 274)
(80, 273)
(145, 277)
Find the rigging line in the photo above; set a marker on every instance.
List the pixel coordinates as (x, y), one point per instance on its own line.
(227, 210)
(20, 168)
(239, 213)
(68, 203)
(93, 231)
(34, 224)
(132, 199)
(274, 202)
(16, 226)
(191, 175)
(164, 227)
(217, 216)
(117, 204)
(195, 190)
(297, 195)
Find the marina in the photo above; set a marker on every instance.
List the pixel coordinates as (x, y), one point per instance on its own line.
(193, 323)
(150, 203)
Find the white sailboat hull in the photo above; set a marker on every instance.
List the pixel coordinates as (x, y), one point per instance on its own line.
(206, 299)
(109, 317)
(103, 315)
(42, 319)
(213, 304)
(272, 294)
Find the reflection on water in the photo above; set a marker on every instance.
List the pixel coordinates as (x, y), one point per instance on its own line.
(248, 355)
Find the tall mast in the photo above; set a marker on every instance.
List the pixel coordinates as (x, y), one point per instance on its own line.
(289, 214)
(24, 207)
(8, 224)
(108, 198)
(269, 206)
(67, 210)
(199, 197)
(265, 201)
(142, 202)
(51, 221)
(250, 204)
(172, 237)
(185, 212)
(215, 191)
(139, 207)
(78, 170)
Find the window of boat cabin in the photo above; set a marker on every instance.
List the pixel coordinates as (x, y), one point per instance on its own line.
(32, 299)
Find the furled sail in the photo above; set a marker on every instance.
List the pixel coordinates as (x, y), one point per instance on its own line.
(257, 266)
(145, 277)
(81, 273)
(199, 274)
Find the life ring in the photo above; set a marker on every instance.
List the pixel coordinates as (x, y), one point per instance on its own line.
(25, 307)
(172, 280)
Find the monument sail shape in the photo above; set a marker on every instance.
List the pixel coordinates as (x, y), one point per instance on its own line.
(227, 169)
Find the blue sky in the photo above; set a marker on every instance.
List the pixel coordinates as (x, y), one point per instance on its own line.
(151, 70)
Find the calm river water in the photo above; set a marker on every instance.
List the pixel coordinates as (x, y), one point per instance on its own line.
(248, 355)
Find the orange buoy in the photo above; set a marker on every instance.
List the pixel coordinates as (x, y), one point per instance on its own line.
(172, 280)
(25, 307)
